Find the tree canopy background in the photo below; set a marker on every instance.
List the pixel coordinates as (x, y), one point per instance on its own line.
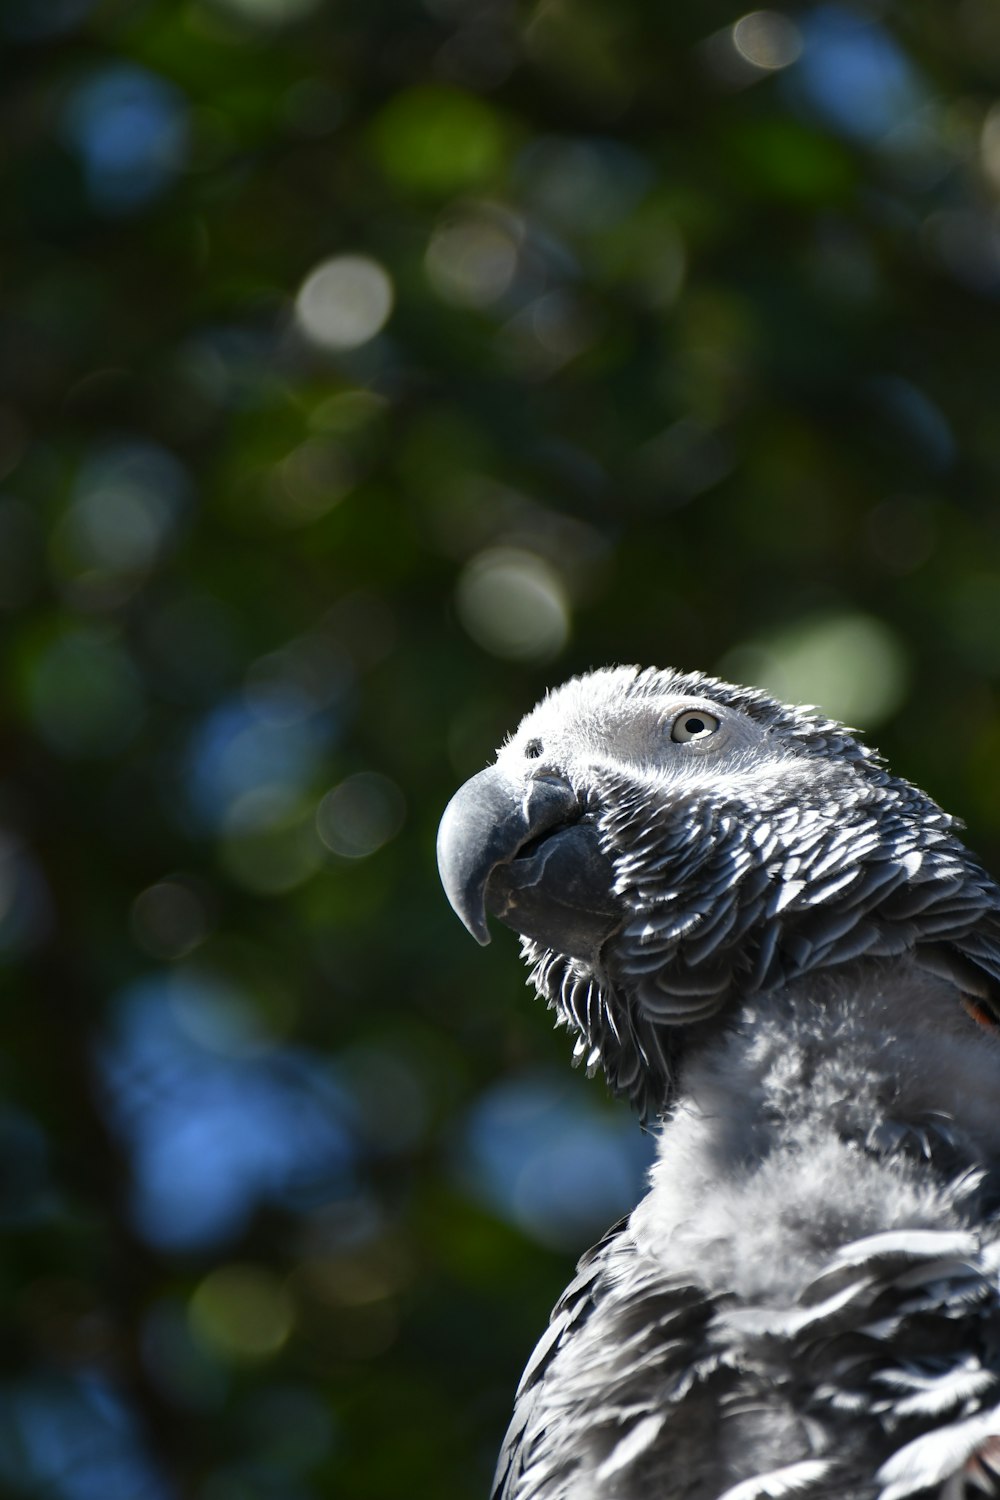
(368, 367)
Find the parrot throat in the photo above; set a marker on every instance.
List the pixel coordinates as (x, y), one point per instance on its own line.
(638, 1057)
(731, 902)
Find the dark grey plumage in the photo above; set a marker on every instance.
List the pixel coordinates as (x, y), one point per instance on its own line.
(783, 952)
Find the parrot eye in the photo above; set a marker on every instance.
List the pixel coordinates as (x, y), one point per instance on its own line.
(693, 726)
(533, 749)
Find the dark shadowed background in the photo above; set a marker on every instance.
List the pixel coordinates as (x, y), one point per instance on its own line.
(369, 366)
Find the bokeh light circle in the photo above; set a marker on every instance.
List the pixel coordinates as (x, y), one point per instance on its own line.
(513, 604)
(344, 302)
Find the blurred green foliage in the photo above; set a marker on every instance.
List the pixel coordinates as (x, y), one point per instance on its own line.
(368, 367)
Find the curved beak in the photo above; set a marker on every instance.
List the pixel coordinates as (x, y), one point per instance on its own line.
(524, 852)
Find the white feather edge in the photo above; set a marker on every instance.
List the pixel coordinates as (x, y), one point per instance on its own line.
(936, 1456)
(631, 1445)
(779, 1482)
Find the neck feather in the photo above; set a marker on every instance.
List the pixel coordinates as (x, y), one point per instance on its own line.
(838, 1110)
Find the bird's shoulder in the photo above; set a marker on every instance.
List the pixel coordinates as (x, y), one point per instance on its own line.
(625, 1341)
(878, 1376)
(574, 1306)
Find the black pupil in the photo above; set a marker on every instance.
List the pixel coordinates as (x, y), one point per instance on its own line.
(533, 749)
(695, 726)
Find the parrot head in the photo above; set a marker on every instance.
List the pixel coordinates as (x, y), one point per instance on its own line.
(667, 844)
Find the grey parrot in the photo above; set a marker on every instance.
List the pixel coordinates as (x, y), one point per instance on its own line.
(785, 958)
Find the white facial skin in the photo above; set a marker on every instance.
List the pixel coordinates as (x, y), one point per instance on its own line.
(664, 738)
